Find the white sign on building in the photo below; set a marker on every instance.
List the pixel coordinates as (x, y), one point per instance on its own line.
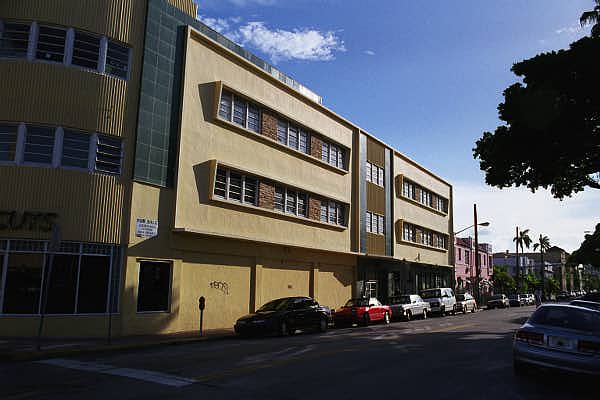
(146, 227)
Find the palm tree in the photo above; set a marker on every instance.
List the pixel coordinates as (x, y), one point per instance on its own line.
(522, 239)
(592, 17)
(543, 244)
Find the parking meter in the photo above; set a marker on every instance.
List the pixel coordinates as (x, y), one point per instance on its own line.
(201, 306)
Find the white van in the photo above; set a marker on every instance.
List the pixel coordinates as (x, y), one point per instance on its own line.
(441, 300)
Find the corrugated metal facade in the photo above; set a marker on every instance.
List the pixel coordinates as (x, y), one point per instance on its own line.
(89, 206)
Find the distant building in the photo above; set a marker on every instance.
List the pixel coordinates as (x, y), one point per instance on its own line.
(464, 259)
(555, 260)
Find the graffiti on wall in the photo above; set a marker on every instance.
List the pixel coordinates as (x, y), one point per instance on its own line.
(221, 286)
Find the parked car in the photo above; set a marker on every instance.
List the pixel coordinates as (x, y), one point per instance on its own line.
(562, 296)
(362, 311)
(465, 302)
(409, 306)
(530, 299)
(284, 316)
(441, 300)
(559, 336)
(498, 301)
(587, 304)
(518, 300)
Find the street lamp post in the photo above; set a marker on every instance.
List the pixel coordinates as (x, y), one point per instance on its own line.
(477, 263)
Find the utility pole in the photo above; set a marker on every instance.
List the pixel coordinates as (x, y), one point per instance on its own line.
(477, 272)
(517, 264)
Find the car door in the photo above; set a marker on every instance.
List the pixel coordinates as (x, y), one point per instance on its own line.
(297, 314)
(313, 315)
(375, 309)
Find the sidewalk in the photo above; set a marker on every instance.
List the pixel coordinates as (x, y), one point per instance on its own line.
(25, 349)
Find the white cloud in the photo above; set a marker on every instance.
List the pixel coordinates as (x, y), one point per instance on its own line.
(568, 29)
(218, 24)
(369, 52)
(300, 44)
(564, 222)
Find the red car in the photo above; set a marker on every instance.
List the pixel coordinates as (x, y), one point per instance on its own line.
(362, 311)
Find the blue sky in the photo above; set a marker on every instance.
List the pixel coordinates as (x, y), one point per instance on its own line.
(425, 77)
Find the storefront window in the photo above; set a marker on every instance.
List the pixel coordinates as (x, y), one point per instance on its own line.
(93, 284)
(62, 285)
(77, 283)
(23, 283)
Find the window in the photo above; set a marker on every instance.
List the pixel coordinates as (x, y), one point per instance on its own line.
(94, 278)
(239, 111)
(290, 201)
(375, 223)
(459, 254)
(117, 60)
(408, 189)
(54, 42)
(425, 197)
(303, 145)
(23, 284)
(409, 232)
(467, 257)
(14, 39)
(302, 205)
(282, 132)
(333, 212)
(75, 149)
(221, 183)
(225, 105)
(154, 287)
(250, 192)
(8, 142)
(39, 145)
(235, 186)
(279, 198)
(374, 174)
(293, 137)
(77, 283)
(108, 155)
(325, 152)
(253, 118)
(336, 155)
(51, 44)
(86, 50)
(333, 157)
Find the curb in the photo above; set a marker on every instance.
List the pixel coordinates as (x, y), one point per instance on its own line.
(34, 355)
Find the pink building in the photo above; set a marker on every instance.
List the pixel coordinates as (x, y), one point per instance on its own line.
(464, 263)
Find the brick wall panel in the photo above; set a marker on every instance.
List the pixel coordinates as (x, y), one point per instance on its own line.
(314, 208)
(316, 146)
(266, 195)
(269, 125)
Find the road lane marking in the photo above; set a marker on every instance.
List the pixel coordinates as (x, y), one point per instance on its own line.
(451, 328)
(139, 374)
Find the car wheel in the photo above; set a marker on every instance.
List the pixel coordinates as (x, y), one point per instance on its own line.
(465, 309)
(473, 309)
(323, 325)
(424, 314)
(366, 319)
(408, 315)
(442, 312)
(386, 318)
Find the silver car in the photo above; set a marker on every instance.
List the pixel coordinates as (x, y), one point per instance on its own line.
(559, 336)
(465, 302)
(409, 306)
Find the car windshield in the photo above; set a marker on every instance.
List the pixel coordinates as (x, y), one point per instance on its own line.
(567, 317)
(357, 303)
(400, 300)
(275, 305)
(431, 294)
(513, 296)
(496, 297)
(460, 297)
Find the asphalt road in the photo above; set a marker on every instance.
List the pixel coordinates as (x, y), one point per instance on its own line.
(463, 356)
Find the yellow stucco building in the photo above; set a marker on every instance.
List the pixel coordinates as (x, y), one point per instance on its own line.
(146, 160)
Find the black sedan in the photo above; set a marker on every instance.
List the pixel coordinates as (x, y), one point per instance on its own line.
(284, 316)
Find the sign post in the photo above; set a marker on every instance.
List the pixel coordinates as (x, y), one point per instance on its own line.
(53, 247)
(201, 305)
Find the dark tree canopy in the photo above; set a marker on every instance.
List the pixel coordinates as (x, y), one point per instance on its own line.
(589, 252)
(551, 136)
